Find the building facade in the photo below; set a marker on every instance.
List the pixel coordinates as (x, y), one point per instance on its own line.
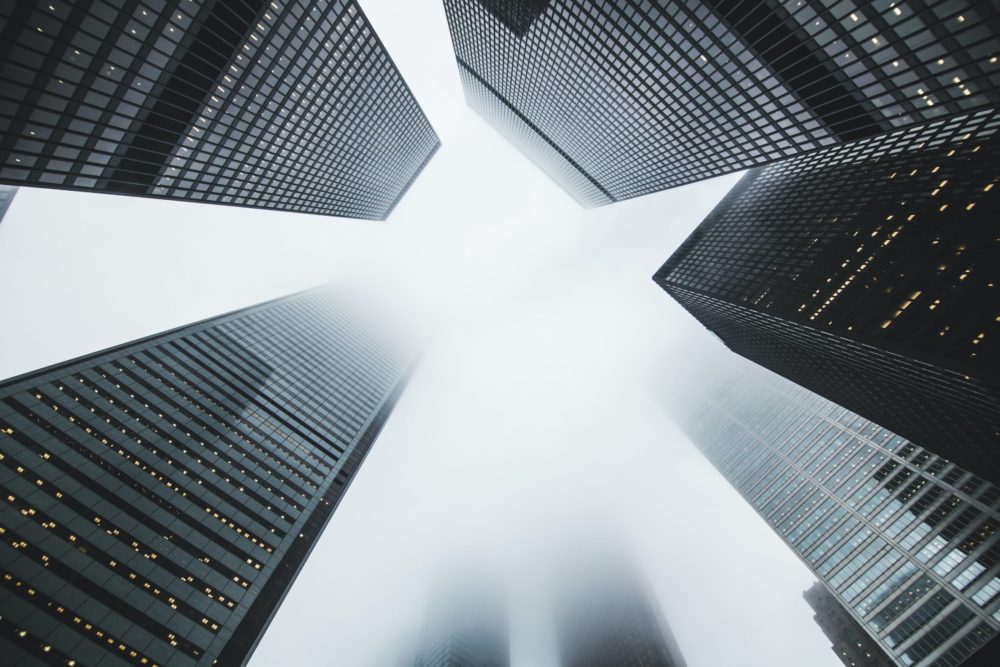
(6, 197)
(619, 98)
(870, 274)
(606, 615)
(905, 540)
(291, 105)
(159, 498)
(852, 645)
(466, 625)
(465, 646)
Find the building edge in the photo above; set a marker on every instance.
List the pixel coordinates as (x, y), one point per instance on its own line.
(237, 651)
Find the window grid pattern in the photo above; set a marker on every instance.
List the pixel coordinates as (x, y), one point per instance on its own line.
(640, 96)
(287, 104)
(867, 272)
(530, 141)
(848, 639)
(878, 519)
(157, 499)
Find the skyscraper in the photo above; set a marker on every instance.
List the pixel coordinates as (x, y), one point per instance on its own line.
(466, 626)
(159, 498)
(850, 641)
(292, 105)
(620, 98)
(605, 614)
(906, 541)
(870, 274)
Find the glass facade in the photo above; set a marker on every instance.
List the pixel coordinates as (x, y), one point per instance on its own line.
(465, 646)
(620, 98)
(851, 643)
(868, 273)
(6, 197)
(906, 541)
(160, 497)
(292, 105)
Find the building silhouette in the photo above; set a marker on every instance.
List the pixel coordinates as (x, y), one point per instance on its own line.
(904, 540)
(466, 626)
(869, 274)
(851, 643)
(292, 105)
(6, 197)
(160, 497)
(606, 615)
(617, 99)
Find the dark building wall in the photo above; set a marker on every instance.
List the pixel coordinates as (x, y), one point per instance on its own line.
(532, 141)
(868, 273)
(620, 98)
(291, 105)
(849, 640)
(159, 498)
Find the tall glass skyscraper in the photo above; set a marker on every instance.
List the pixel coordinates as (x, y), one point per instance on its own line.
(905, 540)
(292, 105)
(851, 644)
(160, 497)
(870, 274)
(620, 98)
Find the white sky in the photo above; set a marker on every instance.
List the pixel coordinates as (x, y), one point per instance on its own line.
(529, 411)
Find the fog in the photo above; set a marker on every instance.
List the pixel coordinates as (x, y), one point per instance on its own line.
(533, 411)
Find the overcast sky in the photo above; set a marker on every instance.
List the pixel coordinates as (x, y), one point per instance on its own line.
(531, 410)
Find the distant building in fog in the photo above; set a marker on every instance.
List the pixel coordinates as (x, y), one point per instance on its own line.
(850, 641)
(606, 615)
(870, 274)
(466, 626)
(907, 542)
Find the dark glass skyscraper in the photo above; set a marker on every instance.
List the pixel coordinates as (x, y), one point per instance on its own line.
(280, 104)
(870, 274)
(159, 498)
(851, 643)
(605, 615)
(906, 541)
(620, 98)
